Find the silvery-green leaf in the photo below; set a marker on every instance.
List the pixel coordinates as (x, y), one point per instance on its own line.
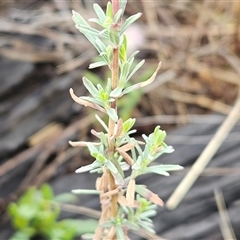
(169, 167)
(107, 224)
(97, 170)
(112, 114)
(167, 149)
(90, 87)
(88, 30)
(114, 37)
(92, 148)
(148, 214)
(144, 83)
(157, 171)
(135, 69)
(93, 100)
(88, 167)
(131, 225)
(143, 225)
(85, 191)
(131, 58)
(101, 45)
(118, 15)
(124, 71)
(147, 140)
(119, 232)
(123, 4)
(95, 20)
(116, 92)
(129, 21)
(97, 64)
(100, 13)
(78, 19)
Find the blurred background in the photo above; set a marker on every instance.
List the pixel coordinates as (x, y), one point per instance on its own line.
(42, 55)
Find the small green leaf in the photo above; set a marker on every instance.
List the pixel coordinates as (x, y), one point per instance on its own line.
(119, 232)
(89, 167)
(93, 100)
(109, 11)
(123, 50)
(123, 4)
(107, 224)
(114, 36)
(148, 214)
(97, 21)
(128, 124)
(90, 87)
(101, 45)
(97, 64)
(100, 13)
(112, 114)
(131, 225)
(118, 15)
(47, 192)
(116, 93)
(136, 68)
(129, 21)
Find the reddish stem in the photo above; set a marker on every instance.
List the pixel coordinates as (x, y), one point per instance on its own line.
(115, 4)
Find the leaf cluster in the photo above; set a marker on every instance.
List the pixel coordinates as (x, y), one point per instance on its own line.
(36, 213)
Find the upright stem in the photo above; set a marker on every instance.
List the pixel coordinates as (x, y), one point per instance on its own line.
(111, 124)
(114, 83)
(115, 4)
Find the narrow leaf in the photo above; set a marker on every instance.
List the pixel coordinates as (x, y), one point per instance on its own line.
(100, 13)
(129, 21)
(118, 15)
(97, 64)
(139, 65)
(85, 191)
(85, 103)
(119, 232)
(90, 87)
(112, 114)
(143, 84)
(89, 167)
(116, 93)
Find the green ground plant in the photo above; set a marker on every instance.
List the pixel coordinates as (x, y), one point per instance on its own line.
(36, 214)
(126, 205)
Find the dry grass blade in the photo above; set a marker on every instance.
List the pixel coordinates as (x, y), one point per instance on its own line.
(225, 223)
(205, 157)
(196, 99)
